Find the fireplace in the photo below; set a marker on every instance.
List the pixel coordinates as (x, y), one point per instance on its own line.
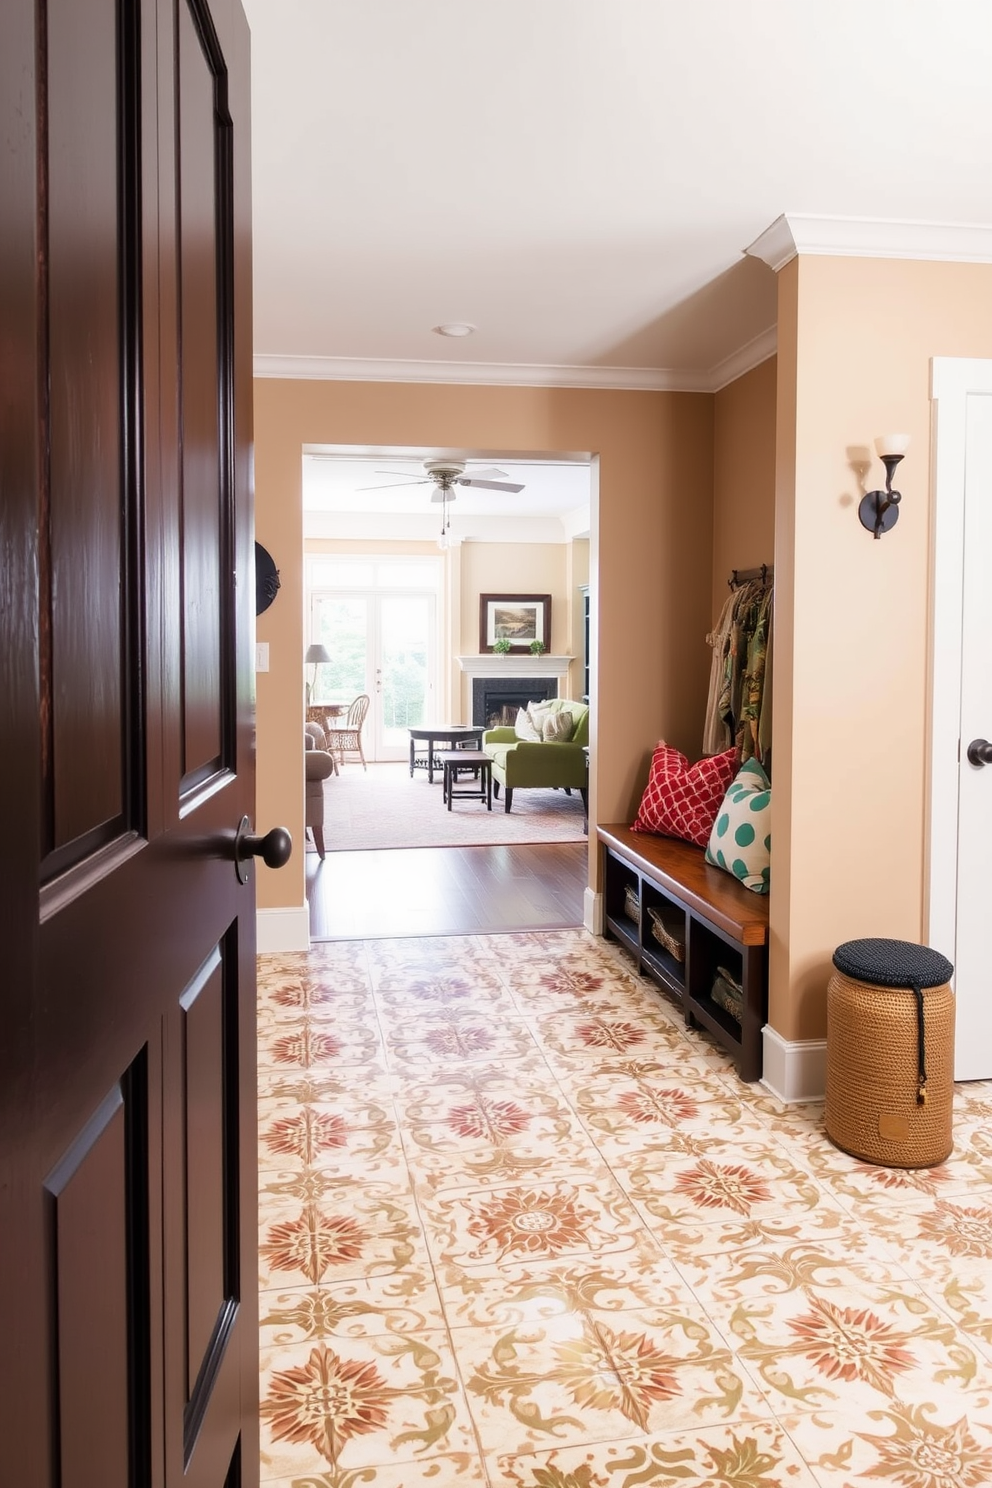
(495, 700)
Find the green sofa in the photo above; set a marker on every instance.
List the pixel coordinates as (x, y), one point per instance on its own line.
(520, 762)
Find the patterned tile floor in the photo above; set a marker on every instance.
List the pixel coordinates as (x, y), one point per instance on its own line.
(520, 1228)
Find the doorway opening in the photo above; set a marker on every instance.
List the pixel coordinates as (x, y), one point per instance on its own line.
(394, 581)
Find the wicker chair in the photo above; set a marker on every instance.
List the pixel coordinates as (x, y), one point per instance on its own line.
(346, 738)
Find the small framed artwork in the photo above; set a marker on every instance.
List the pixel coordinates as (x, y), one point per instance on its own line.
(517, 618)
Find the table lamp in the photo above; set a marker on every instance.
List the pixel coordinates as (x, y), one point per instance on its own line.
(316, 656)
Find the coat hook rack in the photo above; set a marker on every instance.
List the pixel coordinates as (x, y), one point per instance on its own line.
(742, 575)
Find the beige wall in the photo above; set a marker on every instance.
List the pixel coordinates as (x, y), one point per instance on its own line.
(513, 568)
(743, 476)
(852, 614)
(651, 554)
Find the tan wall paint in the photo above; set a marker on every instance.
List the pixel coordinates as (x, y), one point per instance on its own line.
(743, 476)
(855, 341)
(513, 568)
(651, 549)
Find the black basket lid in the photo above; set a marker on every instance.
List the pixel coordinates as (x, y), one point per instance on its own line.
(892, 963)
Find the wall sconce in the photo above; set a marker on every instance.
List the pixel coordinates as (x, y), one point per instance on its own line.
(879, 510)
(316, 656)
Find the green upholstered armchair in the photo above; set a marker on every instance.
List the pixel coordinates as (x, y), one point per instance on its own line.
(526, 763)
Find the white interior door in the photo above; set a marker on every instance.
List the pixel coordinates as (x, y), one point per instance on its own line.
(961, 785)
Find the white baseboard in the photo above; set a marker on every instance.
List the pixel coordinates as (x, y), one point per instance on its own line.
(592, 911)
(283, 929)
(793, 1071)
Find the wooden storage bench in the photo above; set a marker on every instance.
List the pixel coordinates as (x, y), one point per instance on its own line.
(722, 924)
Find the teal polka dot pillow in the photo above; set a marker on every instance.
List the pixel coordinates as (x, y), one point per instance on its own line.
(741, 839)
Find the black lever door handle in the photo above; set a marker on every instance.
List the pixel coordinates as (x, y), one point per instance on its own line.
(980, 752)
(274, 848)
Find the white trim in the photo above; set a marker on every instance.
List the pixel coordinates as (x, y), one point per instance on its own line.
(513, 665)
(488, 374)
(508, 374)
(862, 237)
(793, 1070)
(282, 929)
(592, 911)
(745, 359)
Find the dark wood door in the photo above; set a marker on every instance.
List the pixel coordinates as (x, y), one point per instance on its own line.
(127, 1188)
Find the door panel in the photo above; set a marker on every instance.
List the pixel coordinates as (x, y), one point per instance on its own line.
(83, 549)
(203, 142)
(127, 1122)
(88, 1191)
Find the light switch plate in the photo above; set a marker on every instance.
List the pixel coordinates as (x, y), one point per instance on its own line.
(261, 656)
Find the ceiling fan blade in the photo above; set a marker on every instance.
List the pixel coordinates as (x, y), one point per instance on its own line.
(488, 485)
(394, 485)
(492, 474)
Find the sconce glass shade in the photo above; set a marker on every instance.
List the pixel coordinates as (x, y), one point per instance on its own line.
(891, 444)
(317, 655)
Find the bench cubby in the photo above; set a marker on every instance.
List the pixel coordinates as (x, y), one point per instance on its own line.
(722, 924)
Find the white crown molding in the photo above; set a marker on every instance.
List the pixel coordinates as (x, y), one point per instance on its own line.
(745, 359)
(857, 237)
(483, 374)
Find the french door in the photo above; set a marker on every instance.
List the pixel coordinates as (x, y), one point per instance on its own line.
(383, 642)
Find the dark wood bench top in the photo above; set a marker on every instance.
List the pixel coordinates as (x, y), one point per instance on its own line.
(680, 868)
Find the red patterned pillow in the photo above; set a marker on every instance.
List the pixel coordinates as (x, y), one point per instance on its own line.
(682, 800)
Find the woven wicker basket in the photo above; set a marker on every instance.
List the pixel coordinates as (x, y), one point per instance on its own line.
(872, 1060)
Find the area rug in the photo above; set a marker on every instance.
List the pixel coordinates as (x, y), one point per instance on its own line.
(383, 807)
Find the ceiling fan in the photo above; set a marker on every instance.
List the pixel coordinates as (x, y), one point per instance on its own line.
(445, 475)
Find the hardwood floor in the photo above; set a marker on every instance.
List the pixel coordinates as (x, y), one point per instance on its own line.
(445, 890)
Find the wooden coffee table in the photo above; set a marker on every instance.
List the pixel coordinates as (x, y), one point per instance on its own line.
(460, 735)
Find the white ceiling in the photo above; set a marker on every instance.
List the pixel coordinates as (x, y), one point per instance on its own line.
(334, 483)
(579, 178)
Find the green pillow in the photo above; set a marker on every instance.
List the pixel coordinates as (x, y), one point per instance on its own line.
(741, 839)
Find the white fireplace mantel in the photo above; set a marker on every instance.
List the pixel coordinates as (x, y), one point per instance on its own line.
(515, 665)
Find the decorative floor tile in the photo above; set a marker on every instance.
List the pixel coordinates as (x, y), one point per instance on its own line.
(318, 1047)
(345, 1231)
(697, 1176)
(327, 1136)
(354, 1403)
(508, 1295)
(520, 1228)
(582, 1376)
(458, 1038)
(402, 1302)
(570, 1216)
(758, 1454)
(936, 1444)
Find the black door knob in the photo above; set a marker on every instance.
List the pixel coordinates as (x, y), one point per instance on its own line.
(980, 752)
(274, 848)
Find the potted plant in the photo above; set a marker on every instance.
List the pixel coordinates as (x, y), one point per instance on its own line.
(501, 646)
(537, 648)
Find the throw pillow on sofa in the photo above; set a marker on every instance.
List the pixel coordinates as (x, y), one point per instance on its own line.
(682, 800)
(741, 839)
(558, 727)
(525, 727)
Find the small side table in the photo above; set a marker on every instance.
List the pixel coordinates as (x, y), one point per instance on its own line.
(481, 766)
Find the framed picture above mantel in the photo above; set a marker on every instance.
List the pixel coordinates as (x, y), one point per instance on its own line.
(520, 619)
